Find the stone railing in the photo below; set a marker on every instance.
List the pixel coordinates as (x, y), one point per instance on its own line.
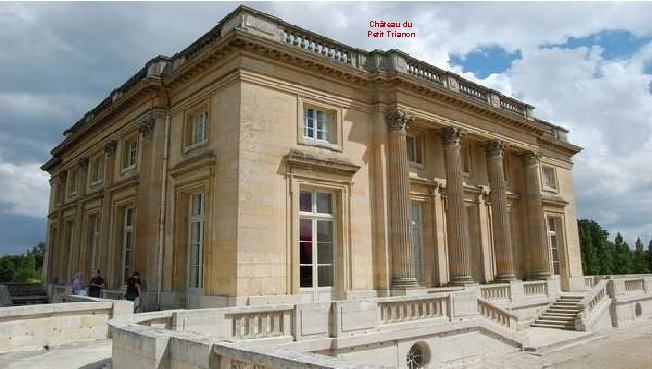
(589, 282)
(589, 306)
(393, 310)
(318, 45)
(113, 294)
(473, 90)
(535, 288)
(497, 314)
(496, 292)
(425, 71)
(513, 105)
(634, 285)
(260, 324)
(35, 326)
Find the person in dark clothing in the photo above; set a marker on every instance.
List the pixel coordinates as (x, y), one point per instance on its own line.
(96, 284)
(134, 291)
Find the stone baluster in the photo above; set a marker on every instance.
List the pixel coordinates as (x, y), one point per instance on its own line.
(459, 249)
(539, 256)
(400, 232)
(500, 218)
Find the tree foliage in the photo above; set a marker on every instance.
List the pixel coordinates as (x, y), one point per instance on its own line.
(27, 267)
(601, 256)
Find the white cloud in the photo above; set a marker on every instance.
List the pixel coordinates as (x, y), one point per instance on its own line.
(24, 189)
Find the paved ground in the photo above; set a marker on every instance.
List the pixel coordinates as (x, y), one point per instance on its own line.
(624, 348)
(80, 355)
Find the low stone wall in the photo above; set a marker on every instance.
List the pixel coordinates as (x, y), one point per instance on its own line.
(35, 326)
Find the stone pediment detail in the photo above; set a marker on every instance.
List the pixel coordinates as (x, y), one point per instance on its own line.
(303, 160)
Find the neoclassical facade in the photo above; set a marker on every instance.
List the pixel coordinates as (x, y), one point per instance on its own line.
(267, 164)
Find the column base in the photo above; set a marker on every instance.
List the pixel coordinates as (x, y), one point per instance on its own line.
(540, 275)
(403, 283)
(505, 278)
(462, 280)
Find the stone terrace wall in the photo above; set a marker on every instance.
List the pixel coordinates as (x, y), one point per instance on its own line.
(34, 326)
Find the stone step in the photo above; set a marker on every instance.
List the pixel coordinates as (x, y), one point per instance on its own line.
(548, 320)
(558, 316)
(541, 325)
(563, 303)
(564, 309)
(572, 298)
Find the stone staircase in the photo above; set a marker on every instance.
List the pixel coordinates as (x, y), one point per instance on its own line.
(561, 314)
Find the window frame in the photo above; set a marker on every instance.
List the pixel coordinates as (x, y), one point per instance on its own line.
(418, 229)
(314, 216)
(334, 114)
(126, 152)
(555, 233)
(127, 229)
(97, 160)
(189, 131)
(95, 238)
(544, 183)
(72, 189)
(201, 220)
(418, 149)
(465, 147)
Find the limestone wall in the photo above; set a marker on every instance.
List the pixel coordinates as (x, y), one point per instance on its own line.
(34, 326)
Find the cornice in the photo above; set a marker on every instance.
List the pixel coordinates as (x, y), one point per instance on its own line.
(303, 160)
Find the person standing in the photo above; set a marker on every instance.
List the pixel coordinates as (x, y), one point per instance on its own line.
(134, 291)
(96, 284)
(78, 285)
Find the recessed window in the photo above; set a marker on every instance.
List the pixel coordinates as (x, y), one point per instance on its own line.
(71, 183)
(197, 128)
(130, 152)
(94, 238)
(317, 124)
(553, 239)
(127, 242)
(195, 240)
(467, 163)
(414, 144)
(316, 238)
(417, 240)
(549, 178)
(96, 169)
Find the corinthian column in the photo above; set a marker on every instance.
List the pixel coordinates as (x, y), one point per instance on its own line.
(500, 217)
(400, 232)
(539, 257)
(459, 247)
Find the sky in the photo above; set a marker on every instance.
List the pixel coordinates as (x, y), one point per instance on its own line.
(584, 66)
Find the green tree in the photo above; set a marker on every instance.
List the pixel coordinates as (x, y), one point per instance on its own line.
(26, 267)
(649, 256)
(622, 256)
(639, 258)
(588, 247)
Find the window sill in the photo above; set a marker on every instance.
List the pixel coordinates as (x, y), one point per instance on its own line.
(317, 143)
(96, 183)
(550, 190)
(128, 169)
(416, 165)
(192, 147)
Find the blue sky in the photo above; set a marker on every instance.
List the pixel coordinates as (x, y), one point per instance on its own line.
(587, 67)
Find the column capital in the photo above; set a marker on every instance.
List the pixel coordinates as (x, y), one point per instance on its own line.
(146, 128)
(109, 148)
(495, 148)
(83, 162)
(530, 158)
(452, 135)
(398, 120)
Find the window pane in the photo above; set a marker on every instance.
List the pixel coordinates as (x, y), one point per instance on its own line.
(325, 276)
(195, 232)
(305, 232)
(305, 276)
(305, 252)
(324, 204)
(551, 224)
(194, 277)
(324, 253)
(409, 140)
(324, 231)
(305, 201)
(555, 268)
(197, 207)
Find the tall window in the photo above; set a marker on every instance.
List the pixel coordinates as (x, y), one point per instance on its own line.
(316, 124)
(130, 152)
(197, 131)
(94, 236)
(195, 240)
(317, 238)
(417, 240)
(467, 164)
(414, 148)
(554, 245)
(96, 169)
(549, 178)
(72, 182)
(127, 242)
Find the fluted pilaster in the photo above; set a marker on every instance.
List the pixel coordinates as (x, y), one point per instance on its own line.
(539, 256)
(459, 246)
(500, 217)
(400, 232)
